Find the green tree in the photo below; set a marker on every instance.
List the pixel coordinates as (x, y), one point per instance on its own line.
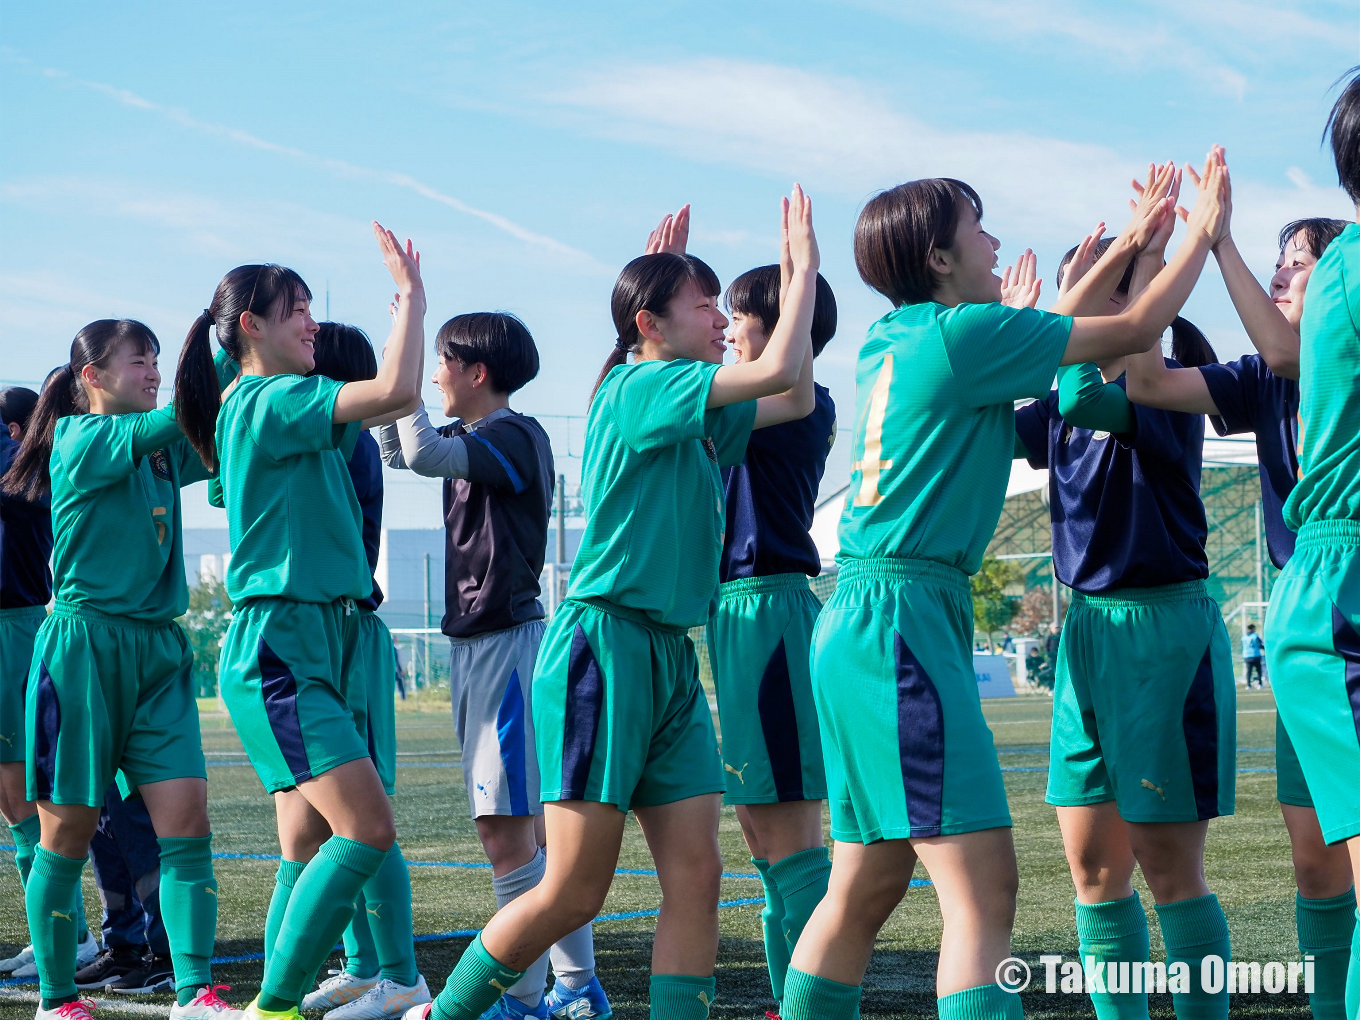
(206, 624)
(992, 607)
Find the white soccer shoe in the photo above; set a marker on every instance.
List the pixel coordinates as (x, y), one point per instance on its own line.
(420, 1012)
(85, 953)
(384, 1000)
(22, 958)
(341, 987)
(81, 1009)
(207, 1006)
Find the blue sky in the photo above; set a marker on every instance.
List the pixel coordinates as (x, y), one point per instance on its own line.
(529, 148)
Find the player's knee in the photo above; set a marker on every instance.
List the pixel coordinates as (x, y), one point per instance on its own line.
(1322, 872)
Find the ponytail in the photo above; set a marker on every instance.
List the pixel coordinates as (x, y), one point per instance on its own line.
(30, 474)
(1189, 347)
(197, 397)
(264, 290)
(648, 283)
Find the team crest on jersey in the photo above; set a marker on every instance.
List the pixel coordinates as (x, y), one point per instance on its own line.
(1098, 436)
(710, 449)
(160, 464)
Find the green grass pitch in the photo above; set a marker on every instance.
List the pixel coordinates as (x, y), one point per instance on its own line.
(1248, 867)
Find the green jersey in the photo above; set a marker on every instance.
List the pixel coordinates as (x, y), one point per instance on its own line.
(653, 491)
(935, 426)
(1329, 390)
(119, 547)
(293, 522)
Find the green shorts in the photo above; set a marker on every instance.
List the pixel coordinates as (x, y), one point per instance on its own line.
(619, 714)
(1314, 660)
(18, 627)
(376, 660)
(1290, 786)
(289, 676)
(107, 693)
(907, 751)
(1145, 706)
(758, 644)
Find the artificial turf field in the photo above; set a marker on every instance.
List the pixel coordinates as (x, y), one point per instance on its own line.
(1248, 867)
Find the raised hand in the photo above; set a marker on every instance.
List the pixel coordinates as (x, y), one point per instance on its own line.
(1020, 284)
(1212, 200)
(1154, 204)
(785, 259)
(402, 263)
(1081, 262)
(803, 252)
(671, 234)
(1217, 158)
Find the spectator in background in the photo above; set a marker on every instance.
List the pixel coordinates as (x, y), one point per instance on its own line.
(1253, 653)
(1007, 642)
(1051, 643)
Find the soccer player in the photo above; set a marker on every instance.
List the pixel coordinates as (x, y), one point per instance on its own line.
(110, 689)
(911, 769)
(498, 473)
(1259, 394)
(760, 632)
(289, 670)
(1143, 743)
(1253, 655)
(620, 718)
(25, 589)
(379, 978)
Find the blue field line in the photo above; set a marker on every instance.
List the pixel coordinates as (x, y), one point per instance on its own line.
(1044, 750)
(1044, 768)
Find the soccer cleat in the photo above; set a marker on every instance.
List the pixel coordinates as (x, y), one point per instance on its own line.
(207, 1006)
(420, 1012)
(111, 964)
(154, 973)
(385, 999)
(772, 1015)
(254, 1012)
(22, 958)
(86, 951)
(587, 1003)
(507, 1007)
(81, 1009)
(341, 987)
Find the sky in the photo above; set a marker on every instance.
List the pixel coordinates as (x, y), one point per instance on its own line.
(528, 148)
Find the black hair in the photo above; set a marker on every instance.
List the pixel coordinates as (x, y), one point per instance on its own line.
(1189, 347)
(16, 404)
(898, 229)
(267, 291)
(1343, 129)
(498, 340)
(63, 394)
(343, 352)
(1251, 626)
(649, 283)
(756, 293)
(1317, 231)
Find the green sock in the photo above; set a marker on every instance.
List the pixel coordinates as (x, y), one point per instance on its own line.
(26, 835)
(284, 880)
(682, 997)
(474, 986)
(361, 955)
(1326, 928)
(801, 879)
(50, 898)
(189, 910)
(808, 997)
(985, 1002)
(1191, 930)
(1352, 976)
(1115, 931)
(388, 896)
(318, 911)
(772, 922)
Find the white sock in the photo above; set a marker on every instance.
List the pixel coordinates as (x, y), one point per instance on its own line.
(529, 988)
(573, 957)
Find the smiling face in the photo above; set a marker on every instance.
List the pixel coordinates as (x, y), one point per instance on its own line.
(1287, 286)
(127, 382)
(458, 384)
(747, 336)
(972, 261)
(283, 341)
(691, 328)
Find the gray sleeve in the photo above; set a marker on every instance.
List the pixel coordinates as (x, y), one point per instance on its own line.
(389, 446)
(427, 452)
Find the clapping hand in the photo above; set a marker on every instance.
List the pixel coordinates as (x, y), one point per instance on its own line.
(1020, 284)
(1080, 263)
(671, 234)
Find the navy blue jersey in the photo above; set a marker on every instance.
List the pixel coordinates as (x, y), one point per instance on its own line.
(365, 471)
(25, 543)
(771, 495)
(1252, 398)
(1126, 509)
(496, 524)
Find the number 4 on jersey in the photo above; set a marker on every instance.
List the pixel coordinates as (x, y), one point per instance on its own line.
(872, 466)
